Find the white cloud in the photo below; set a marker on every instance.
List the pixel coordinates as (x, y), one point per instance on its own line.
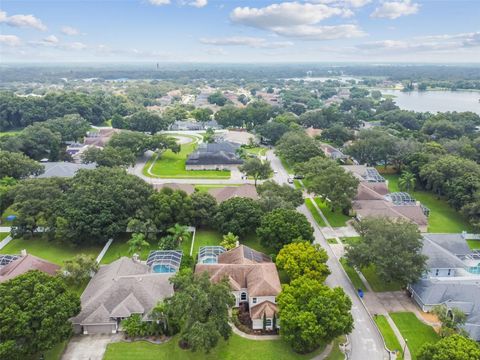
(75, 46)
(159, 2)
(68, 30)
(253, 42)
(346, 3)
(22, 21)
(195, 3)
(298, 20)
(10, 40)
(395, 9)
(52, 39)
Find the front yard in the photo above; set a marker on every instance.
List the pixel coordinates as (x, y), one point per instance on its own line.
(443, 218)
(54, 252)
(236, 348)
(414, 331)
(313, 210)
(171, 165)
(353, 276)
(388, 335)
(474, 244)
(336, 218)
(3, 236)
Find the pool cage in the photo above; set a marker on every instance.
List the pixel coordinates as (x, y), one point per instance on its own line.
(7, 259)
(209, 254)
(401, 198)
(164, 261)
(372, 175)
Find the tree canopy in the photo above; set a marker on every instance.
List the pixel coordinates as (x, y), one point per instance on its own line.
(455, 347)
(238, 215)
(18, 166)
(297, 147)
(256, 168)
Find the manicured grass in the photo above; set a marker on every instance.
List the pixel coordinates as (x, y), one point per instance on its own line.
(350, 240)
(259, 151)
(474, 244)
(171, 165)
(443, 218)
(4, 222)
(332, 241)
(388, 335)
(236, 348)
(287, 166)
(9, 133)
(206, 187)
(336, 353)
(48, 250)
(253, 241)
(3, 236)
(313, 210)
(337, 218)
(352, 274)
(298, 184)
(54, 353)
(119, 248)
(203, 237)
(376, 283)
(414, 331)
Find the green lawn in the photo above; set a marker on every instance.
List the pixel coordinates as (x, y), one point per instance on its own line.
(376, 283)
(336, 219)
(236, 348)
(48, 250)
(336, 353)
(54, 353)
(298, 184)
(203, 237)
(388, 335)
(253, 242)
(287, 166)
(9, 133)
(414, 331)
(443, 218)
(352, 274)
(474, 244)
(3, 236)
(171, 165)
(350, 240)
(259, 151)
(332, 241)
(313, 210)
(206, 187)
(119, 248)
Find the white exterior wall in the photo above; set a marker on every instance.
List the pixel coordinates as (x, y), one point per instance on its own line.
(260, 299)
(257, 324)
(238, 295)
(441, 273)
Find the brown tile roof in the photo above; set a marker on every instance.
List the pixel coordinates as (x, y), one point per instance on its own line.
(379, 208)
(188, 188)
(257, 275)
(371, 190)
(266, 307)
(24, 264)
(228, 192)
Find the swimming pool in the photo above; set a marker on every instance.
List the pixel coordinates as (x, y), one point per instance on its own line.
(159, 268)
(210, 260)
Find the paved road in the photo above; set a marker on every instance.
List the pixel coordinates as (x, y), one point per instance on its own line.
(366, 342)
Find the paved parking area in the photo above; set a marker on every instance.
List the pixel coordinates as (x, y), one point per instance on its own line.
(89, 347)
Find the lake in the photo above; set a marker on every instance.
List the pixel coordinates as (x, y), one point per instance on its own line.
(434, 101)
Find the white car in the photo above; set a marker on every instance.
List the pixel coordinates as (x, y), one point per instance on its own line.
(290, 180)
(275, 171)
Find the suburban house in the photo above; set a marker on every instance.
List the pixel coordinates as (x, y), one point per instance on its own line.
(63, 169)
(374, 199)
(188, 188)
(452, 278)
(12, 266)
(228, 192)
(126, 286)
(192, 125)
(332, 152)
(215, 156)
(99, 138)
(252, 276)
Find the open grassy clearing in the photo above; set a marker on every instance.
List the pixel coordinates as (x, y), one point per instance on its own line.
(203, 237)
(352, 274)
(259, 151)
(443, 218)
(236, 348)
(171, 165)
(376, 283)
(336, 218)
(119, 248)
(55, 252)
(414, 331)
(474, 244)
(313, 210)
(388, 335)
(253, 241)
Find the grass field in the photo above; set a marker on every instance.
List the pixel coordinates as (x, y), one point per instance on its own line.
(388, 335)
(119, 248)
(474, 244)
(252, 241)
(236, 348)
(3, 236)
(171, 165)
(443, 218)
(336, 219)
(206, 187)
(313, 210)
(352, 274)
(259, 151)
(48, 250)
(203, 237)
(414, 331)
(376, 283)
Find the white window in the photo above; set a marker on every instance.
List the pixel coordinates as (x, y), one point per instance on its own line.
(269, 322)
(243, 296)
(254, 300)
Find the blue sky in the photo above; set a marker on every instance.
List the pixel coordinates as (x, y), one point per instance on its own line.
(240, 31)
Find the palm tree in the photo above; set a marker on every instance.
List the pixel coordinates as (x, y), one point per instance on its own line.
(180, 233)
(407, 181)
(137, 243)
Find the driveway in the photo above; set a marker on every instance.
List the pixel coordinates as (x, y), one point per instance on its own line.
(89, 347)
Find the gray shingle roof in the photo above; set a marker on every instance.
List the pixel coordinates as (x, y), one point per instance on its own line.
(63, 169)
(120, 289)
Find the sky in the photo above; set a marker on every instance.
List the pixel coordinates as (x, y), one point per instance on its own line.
(240, 31)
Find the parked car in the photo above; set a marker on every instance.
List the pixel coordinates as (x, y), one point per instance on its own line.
(290, 180)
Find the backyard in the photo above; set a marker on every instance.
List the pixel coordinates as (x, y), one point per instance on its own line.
(171, 165)
(54, 252)
(203, 237)
(236, 348)
(414, 331)
(443, 218)
(391, 340)
(119, 248)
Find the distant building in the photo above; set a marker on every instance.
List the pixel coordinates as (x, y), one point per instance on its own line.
(228, 192)
(214, 156)
(452, 278)
(333, 152)
(12, 266)
(190, 125)
(63, 169)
